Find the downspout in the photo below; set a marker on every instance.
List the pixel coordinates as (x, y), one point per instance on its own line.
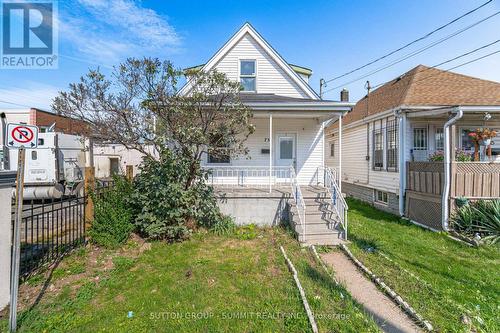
(447, 168)
(402, 160)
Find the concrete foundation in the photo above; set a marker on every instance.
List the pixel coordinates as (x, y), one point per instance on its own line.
(262, 210)
(366, 194)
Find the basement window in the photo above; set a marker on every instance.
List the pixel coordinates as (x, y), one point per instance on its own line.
(381, 197)
(248, 75)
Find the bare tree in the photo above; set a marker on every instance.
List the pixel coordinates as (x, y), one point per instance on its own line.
(139, 107)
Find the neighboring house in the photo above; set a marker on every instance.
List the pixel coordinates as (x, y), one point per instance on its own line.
(380, 164)
(288, 115)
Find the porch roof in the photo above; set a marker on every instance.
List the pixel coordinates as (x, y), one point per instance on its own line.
(294, 106)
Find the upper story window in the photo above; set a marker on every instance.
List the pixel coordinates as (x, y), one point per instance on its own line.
(248, 75)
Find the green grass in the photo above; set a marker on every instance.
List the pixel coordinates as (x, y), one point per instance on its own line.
(442, 279)
(210, 283)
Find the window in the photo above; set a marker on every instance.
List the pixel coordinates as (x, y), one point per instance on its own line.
(248, 75)
(378, 149)
(392, 145)
(420, 139)
(439, 138)
(286, 148)
(332, 149)
(34, 155)
(381, 197)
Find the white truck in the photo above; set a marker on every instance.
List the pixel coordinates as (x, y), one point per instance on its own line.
(56, 167)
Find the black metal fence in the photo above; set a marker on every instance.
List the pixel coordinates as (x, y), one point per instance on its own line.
(50, 228)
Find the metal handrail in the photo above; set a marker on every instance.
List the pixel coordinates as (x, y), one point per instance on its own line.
(330, 181)
(299, 202)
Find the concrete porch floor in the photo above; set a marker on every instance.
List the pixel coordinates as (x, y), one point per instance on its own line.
(281, 191)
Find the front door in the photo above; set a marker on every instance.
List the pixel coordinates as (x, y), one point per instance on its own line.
(286, 149)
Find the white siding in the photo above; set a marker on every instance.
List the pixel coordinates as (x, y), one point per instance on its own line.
(270, 76)
(309, 150)
(355, 168)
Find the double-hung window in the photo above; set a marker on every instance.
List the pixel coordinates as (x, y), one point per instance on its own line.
(392, 145)
(420, 138)
(248, 75)
(378, 149)
(439, 138)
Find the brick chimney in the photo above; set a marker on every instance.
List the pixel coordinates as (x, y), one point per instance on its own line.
(344, 95)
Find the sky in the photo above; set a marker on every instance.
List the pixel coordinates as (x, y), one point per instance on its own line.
(330, 37)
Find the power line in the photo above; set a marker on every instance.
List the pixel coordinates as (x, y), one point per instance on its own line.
(17, 104)
(410, 43)
(414, 53)
(445, 70)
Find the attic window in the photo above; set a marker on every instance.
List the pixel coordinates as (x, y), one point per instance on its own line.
(248, 75)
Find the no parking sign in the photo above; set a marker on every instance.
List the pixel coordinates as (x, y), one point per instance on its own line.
(21, 135)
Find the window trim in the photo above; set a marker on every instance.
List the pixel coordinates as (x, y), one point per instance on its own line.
(254, 76)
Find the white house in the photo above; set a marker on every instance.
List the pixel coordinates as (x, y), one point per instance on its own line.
(429, 112)
(289, 143)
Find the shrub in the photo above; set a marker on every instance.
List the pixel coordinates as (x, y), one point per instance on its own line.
(479, 218)
(224, 226)
(113, 215)
(166, 207)
(460, 156)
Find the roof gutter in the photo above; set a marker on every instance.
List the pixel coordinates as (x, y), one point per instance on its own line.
(445, 210)
(303, 106)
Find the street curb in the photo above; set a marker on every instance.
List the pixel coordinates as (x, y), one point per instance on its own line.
(310, 315)
(389, 292)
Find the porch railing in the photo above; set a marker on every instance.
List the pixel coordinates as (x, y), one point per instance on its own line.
(249, 176)
(329, 178)
(299, 203)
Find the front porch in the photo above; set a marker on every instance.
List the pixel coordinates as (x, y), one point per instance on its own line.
(316, 212)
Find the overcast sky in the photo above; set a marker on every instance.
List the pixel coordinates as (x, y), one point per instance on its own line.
(330, 37)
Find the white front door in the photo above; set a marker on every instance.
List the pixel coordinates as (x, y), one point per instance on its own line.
(286, 149)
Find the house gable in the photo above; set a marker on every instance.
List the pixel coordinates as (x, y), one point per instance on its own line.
(273, 74)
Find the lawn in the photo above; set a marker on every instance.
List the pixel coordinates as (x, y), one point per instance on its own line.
(454, 286)
(237, 283)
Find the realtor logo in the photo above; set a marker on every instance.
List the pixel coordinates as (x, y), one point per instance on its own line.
(29, 34)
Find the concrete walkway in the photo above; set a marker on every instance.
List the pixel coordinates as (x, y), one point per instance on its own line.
(388, 315)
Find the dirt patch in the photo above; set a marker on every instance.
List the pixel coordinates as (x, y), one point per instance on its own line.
(97, 261)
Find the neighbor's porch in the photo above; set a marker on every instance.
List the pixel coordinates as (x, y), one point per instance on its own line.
(441, 165)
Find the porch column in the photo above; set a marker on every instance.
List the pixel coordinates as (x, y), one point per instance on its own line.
(339, 175)
(270, 152)
(402, 162)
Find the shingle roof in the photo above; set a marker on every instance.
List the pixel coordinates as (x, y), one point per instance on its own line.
(426, 86)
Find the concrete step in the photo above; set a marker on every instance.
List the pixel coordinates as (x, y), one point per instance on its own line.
(317, 229)
(322, 239)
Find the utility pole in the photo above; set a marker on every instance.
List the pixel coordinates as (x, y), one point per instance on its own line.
(322, 84)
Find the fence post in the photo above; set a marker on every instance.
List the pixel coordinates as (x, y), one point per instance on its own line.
(89, 183)
(129, 170)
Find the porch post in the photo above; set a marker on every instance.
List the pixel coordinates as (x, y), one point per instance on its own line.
(339, 174)
(402, 162)
(270, 151)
